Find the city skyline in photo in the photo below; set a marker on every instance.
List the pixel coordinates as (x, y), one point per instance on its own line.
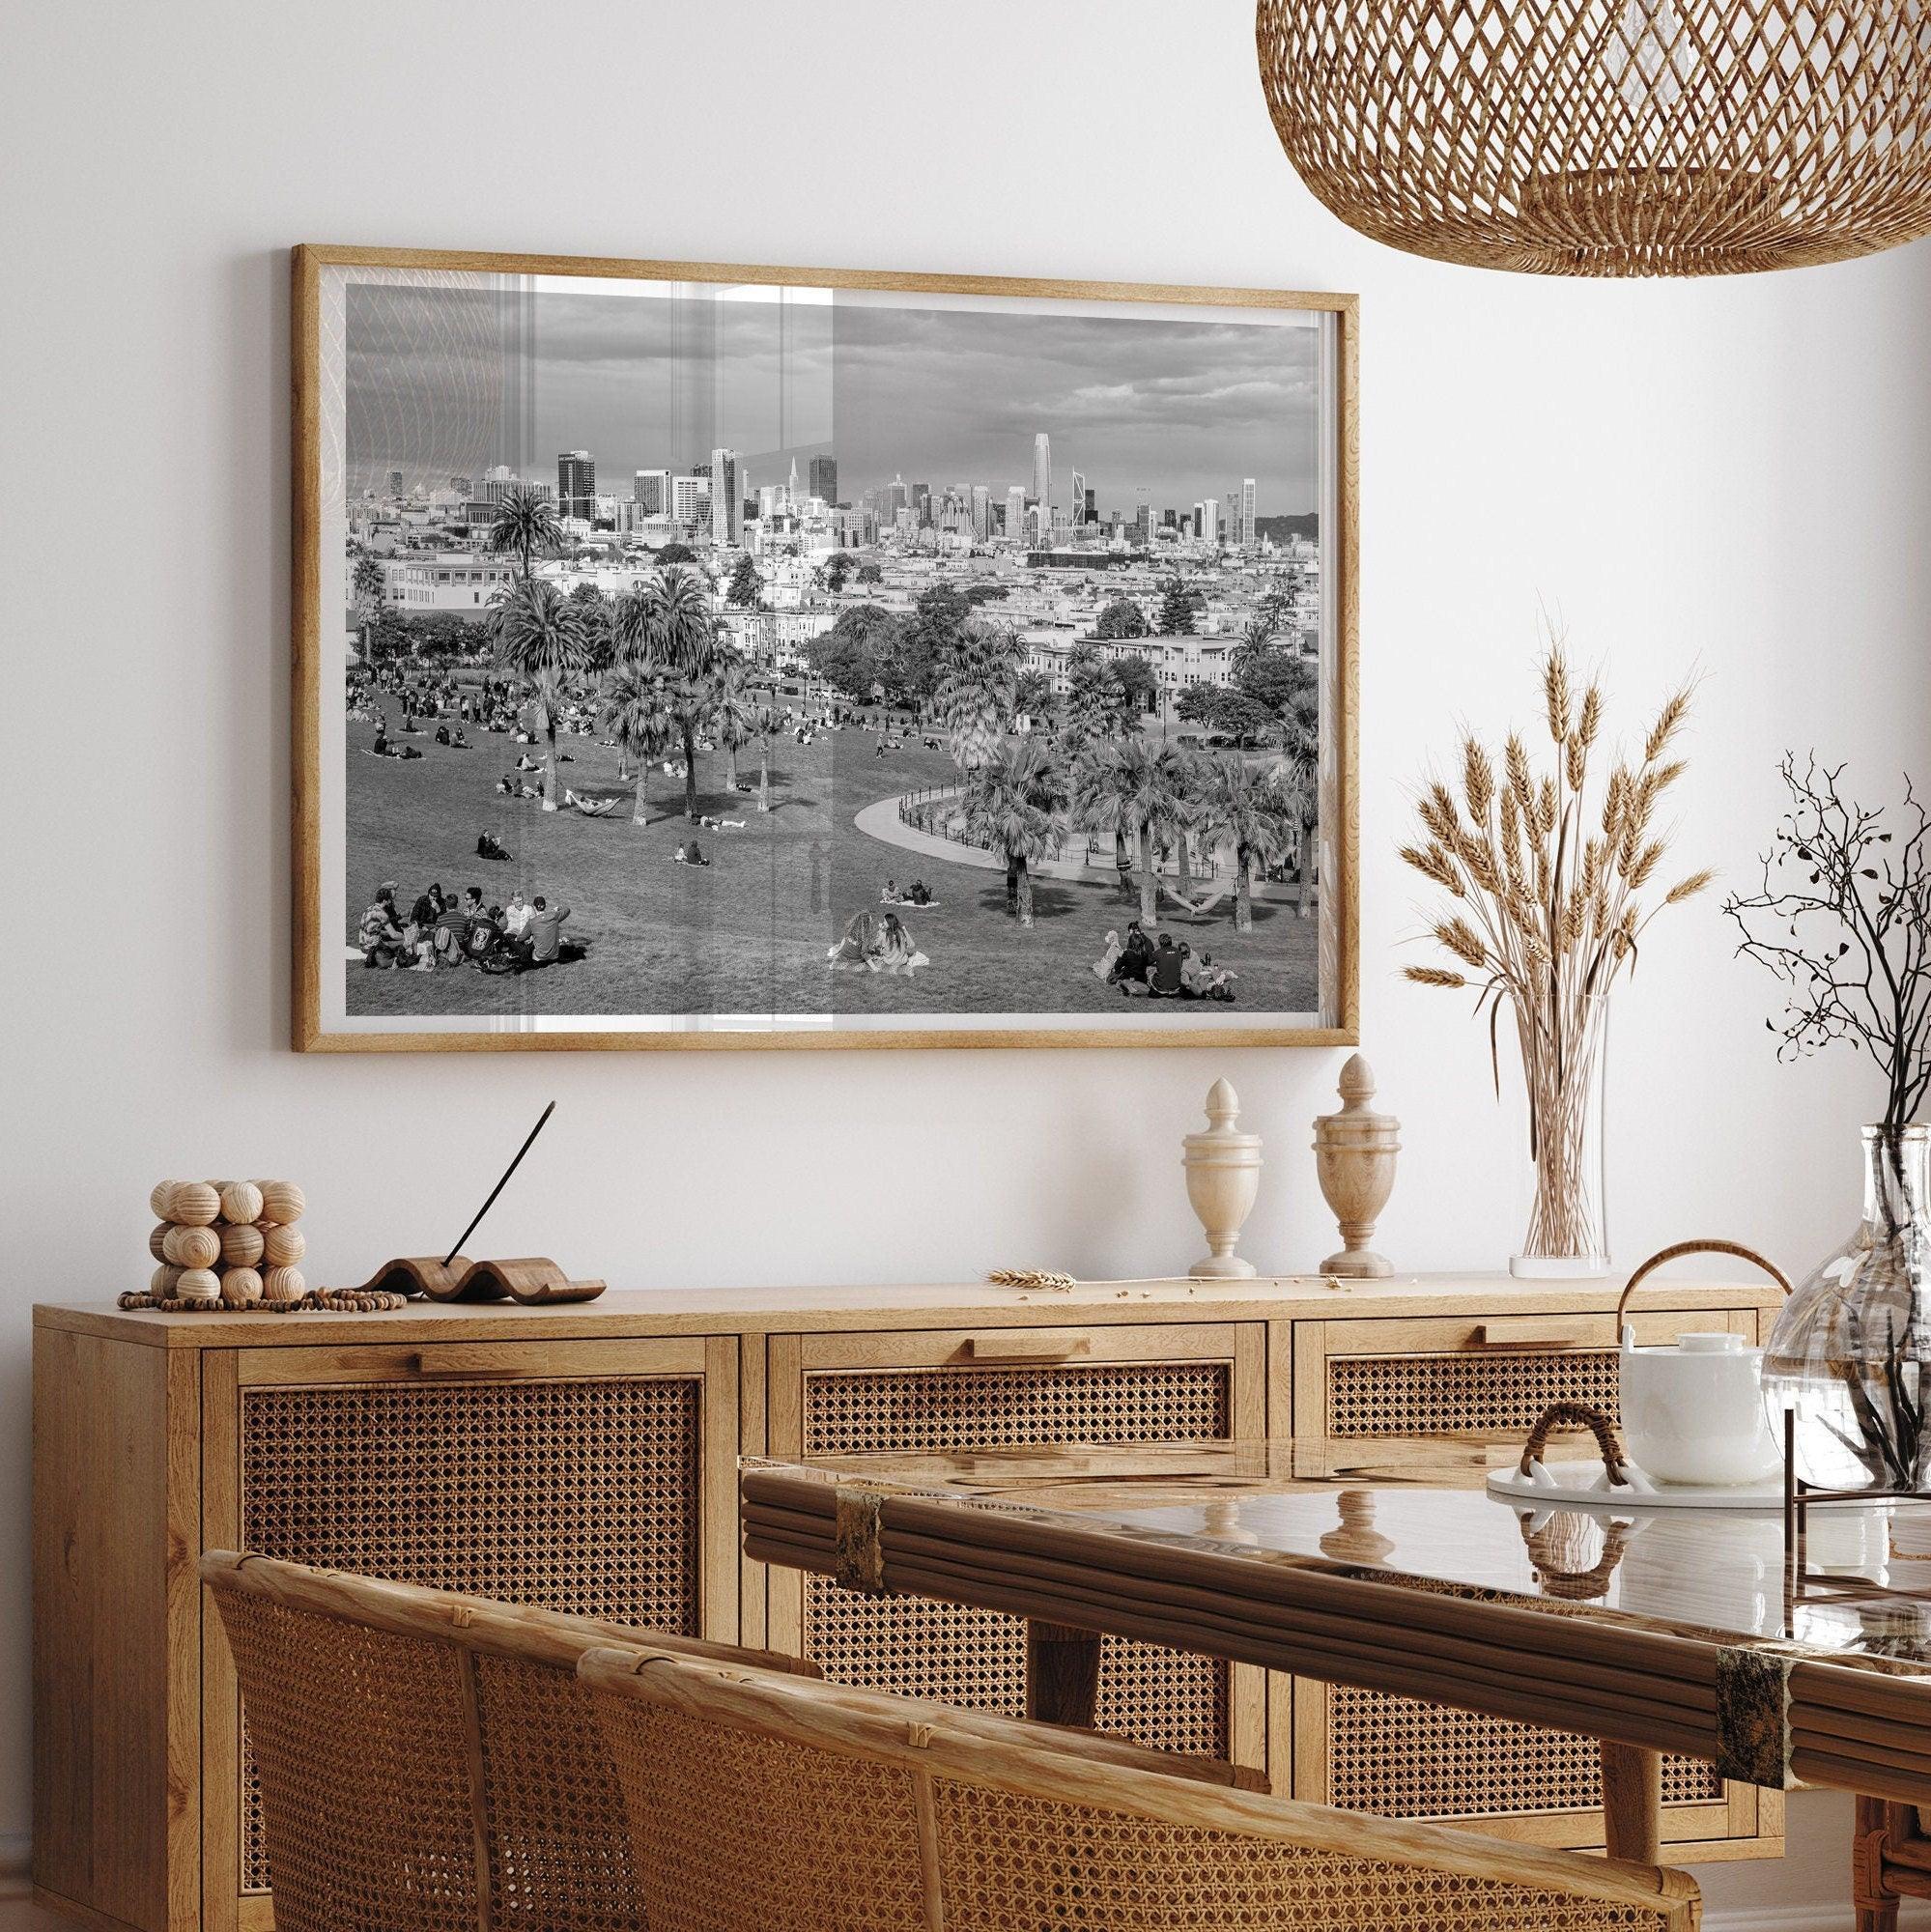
(443, 382)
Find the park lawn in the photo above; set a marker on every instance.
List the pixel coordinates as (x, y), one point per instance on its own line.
(749, 934)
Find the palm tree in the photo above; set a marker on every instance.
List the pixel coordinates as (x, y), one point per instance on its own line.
(665, 625)
(1256, 815)
(1256, 642)
(770, 722)
(526, 523)
(1033, 695)
(975, 694)
(733, 714)
(638, 716)
(539, 638)
(1014, 801)
(1132, 790)
(1189, 782)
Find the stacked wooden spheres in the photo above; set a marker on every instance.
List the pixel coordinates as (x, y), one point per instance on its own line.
(227, 1241)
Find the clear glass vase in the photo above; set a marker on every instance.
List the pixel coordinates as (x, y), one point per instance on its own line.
(1848, 1354)
(1563, 1044)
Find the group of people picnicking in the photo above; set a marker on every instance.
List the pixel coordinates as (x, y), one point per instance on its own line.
(441, 929)
(917, 894)
(1161, 970)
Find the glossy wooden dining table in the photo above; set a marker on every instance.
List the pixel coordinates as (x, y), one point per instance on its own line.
(1390, 1566)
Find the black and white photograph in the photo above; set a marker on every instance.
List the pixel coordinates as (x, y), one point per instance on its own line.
(821, 662)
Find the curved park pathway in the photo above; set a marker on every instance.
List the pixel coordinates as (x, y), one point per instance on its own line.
(880, 820)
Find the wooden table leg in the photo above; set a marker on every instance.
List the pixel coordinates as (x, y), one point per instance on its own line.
(1633, 1802)
(1062, 1673)
(1871, 1891)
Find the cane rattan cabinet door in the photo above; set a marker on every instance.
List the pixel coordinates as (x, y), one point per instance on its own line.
(595, 1476)
(855, 1394)
(1371, 1751)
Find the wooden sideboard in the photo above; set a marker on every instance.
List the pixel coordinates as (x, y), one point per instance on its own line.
(584, 1458)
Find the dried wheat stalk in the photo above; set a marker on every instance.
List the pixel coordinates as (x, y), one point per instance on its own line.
(1546, 913)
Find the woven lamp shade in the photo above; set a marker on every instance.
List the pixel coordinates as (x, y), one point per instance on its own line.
(1609, 137)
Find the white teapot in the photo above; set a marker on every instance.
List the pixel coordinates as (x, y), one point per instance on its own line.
(1692, 1409)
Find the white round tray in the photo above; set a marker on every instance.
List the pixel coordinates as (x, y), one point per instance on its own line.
(1586, 1485)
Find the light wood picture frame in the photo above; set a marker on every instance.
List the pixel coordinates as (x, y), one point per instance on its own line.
(860, 760)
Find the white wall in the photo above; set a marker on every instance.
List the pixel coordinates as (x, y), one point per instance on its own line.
(1733, 475)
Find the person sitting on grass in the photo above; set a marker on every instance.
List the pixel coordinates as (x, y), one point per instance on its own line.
(442, 734)
(380, 937)
(690, 855)
(543, 938)
(489, 847)
(507, 785)
(517, 916)
(427, 907)
(484, 936)
(452, 929)
(1109, 957)
(890, 896)
(1218, 981)
(1163, 979)
(921, 894)
(1135, 961)
(894, 951)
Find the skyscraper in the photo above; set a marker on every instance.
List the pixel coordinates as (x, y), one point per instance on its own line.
(1015, 514)
(981, 512)
(1079, 497)
(825, 477)
(577, 484)
(921, 504)
(651, 491)
(726, 497)
(691, 499)
(1249, 536)
(1043, 469)
(1088, 511)
(791, 497)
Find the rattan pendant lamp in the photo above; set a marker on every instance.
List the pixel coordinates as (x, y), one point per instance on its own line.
(1610, 137)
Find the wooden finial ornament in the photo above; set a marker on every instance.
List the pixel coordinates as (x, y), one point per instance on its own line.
(1223, 1176)
(1355, 1153)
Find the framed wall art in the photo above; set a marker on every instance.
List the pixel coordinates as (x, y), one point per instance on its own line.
(694, 655)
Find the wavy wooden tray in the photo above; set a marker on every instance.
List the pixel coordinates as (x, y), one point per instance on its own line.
(531, 1279)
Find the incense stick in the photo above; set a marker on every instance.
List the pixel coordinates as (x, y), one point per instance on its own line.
(540, 1120)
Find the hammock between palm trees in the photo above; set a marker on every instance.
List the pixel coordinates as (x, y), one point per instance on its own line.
(598, 802)
(1199, 906)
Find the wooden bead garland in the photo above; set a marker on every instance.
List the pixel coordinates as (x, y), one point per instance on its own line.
(233, 1244)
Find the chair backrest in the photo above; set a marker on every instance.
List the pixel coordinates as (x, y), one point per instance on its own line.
(429, 1762)
(761, 1801)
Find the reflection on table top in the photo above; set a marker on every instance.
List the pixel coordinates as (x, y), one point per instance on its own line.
(1417, 1512)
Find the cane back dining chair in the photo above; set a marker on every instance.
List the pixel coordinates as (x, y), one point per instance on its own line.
(429, 1762)
(761, 1800)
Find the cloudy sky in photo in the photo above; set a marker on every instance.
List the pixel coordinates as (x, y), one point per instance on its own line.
(451, 380)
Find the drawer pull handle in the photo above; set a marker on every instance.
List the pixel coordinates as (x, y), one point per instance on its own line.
(450, 1362)
(1523, 1335)
(1005, 1348)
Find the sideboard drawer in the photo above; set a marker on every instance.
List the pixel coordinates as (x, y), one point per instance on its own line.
(857, 1394)
(574, 1476)
(1370, 1752)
